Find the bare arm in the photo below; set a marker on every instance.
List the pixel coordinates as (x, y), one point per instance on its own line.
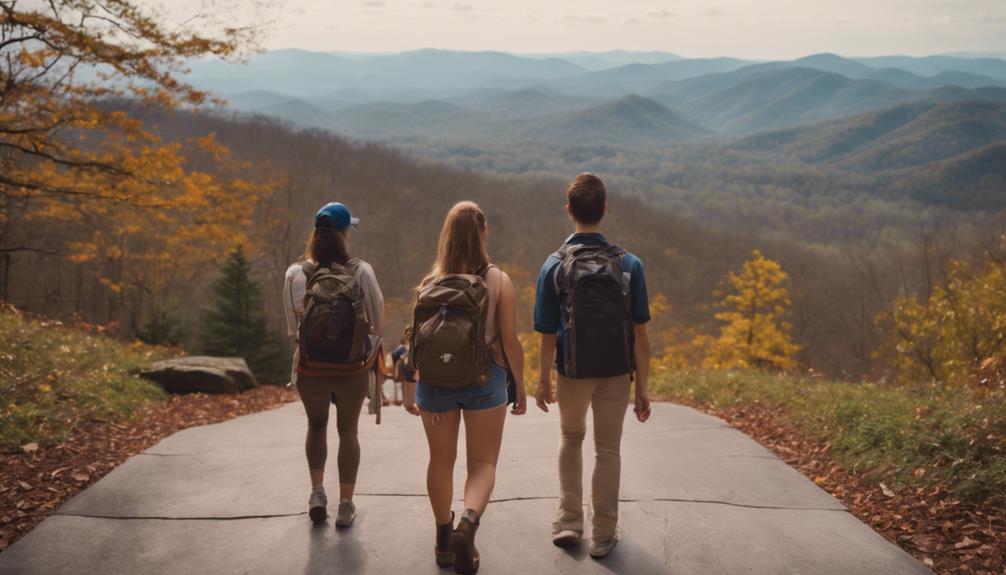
(543, 396)
(642, 353)
(506, 316)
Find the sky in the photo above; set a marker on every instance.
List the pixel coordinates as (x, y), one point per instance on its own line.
(757, 29)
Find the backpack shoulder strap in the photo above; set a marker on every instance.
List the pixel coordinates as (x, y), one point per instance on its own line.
(309, 268)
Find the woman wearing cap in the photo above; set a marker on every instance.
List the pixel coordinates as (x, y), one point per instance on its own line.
(463, 250)
(328, 247)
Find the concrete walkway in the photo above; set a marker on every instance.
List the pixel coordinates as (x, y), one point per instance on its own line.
(698, 498)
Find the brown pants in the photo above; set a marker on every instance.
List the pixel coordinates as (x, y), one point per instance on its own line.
(609, 398)
(348, 392)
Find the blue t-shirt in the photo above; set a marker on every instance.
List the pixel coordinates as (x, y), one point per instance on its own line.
(402, 352)
(546, 304)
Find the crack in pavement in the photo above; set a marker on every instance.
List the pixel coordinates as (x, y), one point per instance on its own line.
(423, 495)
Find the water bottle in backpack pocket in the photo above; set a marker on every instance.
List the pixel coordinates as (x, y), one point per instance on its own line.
(449, 331)
(595, 310)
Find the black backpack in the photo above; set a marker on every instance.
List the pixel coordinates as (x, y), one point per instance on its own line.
(596, 309)
(335, 328)
(449, 331)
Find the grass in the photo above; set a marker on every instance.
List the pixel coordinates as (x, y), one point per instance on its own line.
(54, 378)
(912, 436)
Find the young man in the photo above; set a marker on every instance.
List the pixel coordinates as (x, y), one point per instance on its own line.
(591, 310)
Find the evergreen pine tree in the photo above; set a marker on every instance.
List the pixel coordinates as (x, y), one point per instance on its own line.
(235, 323)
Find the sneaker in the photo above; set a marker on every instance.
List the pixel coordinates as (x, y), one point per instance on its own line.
(318, 505)
(466, 556)
(346, 514)
(566, 538)
(599, 549)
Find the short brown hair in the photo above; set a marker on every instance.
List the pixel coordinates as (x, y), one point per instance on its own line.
(587, 198)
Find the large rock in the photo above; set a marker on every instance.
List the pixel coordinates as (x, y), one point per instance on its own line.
(201, 374)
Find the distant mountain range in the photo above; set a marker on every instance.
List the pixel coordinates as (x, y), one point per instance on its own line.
(873, 125)
(390, 96)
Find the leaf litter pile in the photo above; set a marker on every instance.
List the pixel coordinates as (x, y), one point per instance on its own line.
(936, 528)
(36, 479)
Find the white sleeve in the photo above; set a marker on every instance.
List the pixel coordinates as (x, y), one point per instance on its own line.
(373, 298)
(294, 288)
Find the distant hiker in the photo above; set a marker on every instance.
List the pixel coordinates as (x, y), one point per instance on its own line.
(405, 374)
(338, 344)
(591, 310)
(294, 288)
(465, 332)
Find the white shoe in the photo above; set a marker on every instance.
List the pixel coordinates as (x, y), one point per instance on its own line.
(317, 506)
(346, 513)
(566, 538)
(599, 549)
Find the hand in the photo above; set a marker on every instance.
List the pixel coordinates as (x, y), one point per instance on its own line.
(543, 396)
(520, 406)
(642, 408)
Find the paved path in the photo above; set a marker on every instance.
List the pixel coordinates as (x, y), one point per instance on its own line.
(698, 498)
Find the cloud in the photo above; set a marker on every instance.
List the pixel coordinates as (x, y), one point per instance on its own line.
(662, 13)
(585, 18)
(986, 18)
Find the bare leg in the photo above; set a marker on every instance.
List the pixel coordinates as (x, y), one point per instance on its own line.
(483, 437)
(442, 436)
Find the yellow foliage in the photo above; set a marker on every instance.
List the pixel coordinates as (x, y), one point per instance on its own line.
(958, 334)
(754, 333)
(124, 202)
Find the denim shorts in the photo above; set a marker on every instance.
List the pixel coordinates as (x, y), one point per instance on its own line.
(490, 394)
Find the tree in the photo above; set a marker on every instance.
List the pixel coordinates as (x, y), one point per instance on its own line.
(235, 323)
(81, 176)
(754, 334)
(958, 334)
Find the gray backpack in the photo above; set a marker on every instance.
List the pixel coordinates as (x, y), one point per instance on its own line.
(449, 331)
(335, 327)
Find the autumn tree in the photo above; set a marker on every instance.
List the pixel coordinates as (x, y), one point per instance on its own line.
(754, 333)
(81, 176)
(958, 334)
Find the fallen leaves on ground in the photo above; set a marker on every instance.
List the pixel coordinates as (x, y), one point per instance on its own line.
(36, 479)
(945, 534)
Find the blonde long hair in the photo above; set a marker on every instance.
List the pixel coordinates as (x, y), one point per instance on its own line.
(462, 248)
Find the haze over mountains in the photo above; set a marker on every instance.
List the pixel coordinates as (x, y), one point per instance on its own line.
(704, 135)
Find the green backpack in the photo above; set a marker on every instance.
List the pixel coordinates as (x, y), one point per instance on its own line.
(449, 331)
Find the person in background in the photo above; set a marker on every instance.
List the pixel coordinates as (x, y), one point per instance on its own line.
(403, 373)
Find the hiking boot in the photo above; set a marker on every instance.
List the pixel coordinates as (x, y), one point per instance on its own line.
(601, 548)
(318, 505)
(346, 514)
(566, 538)
(466, 556)
(442, 551)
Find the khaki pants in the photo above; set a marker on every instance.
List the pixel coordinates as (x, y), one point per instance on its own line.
(609, 397)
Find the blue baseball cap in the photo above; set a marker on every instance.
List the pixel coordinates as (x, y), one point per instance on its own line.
(334, 215)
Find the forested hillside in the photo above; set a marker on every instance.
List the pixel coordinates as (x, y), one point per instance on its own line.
(836, 294)
(825, 151)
